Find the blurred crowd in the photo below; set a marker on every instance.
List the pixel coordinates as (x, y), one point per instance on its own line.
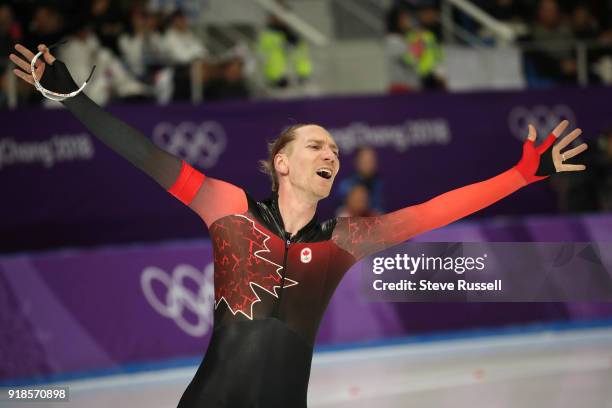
(146, 50)
(150, 50)
(549, 32)
(127, 45)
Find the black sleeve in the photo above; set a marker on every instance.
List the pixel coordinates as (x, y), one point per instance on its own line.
(162, 166)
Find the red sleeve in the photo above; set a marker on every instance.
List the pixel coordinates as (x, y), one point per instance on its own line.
(187, 184)
(210, 198)
(361, 236)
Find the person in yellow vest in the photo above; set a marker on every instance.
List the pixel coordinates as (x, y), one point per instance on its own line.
(282, 54)
(425, 54)
(413, 52)
(424, 51)
(401, 74)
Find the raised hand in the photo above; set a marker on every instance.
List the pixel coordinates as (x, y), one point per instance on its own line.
(557, 157)
(25, 70)
(541, 161)
(57, 83)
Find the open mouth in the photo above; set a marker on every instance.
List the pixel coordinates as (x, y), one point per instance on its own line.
(325, 173)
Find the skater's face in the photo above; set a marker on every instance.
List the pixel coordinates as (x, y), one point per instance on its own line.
(310, 162)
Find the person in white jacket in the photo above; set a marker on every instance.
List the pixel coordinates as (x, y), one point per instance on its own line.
(181, 46)
(84, 51)
(143, 45)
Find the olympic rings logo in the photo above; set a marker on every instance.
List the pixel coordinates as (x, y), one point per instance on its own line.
(179, 297)
(200, 145)
(544, 119)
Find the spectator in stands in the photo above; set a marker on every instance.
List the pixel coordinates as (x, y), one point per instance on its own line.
(357, 203)
(422, 52)
(10, 34)
(284, 55)
(142, 46)
(108, 23)
(584, 25)
(401, 73)
(366, 174)
(229, 83)
(186, 53)
(554, 59)
(181, 44)
(142, 51)
(191, 8)
(112, 80)
(10, 30)
(47, 26)
(428, 15)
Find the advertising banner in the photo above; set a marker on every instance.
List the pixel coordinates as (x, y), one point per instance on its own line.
(61, 187)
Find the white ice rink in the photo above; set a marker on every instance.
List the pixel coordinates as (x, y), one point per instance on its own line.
(544, 369)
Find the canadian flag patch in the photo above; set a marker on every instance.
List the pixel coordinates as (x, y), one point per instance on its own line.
(306, 255)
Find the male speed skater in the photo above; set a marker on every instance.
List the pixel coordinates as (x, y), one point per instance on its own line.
(276, 265)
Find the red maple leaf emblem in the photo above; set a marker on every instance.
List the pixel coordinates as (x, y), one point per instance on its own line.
(362, 235)
(240, 264)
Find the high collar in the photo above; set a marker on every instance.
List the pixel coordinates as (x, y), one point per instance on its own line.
(277, 220)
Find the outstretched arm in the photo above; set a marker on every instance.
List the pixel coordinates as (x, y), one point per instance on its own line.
(361, 236)
(208, 197)
(162, 166)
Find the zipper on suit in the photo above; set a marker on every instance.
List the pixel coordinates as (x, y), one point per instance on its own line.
(282, 285)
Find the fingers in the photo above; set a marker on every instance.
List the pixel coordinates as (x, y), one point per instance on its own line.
(20, 63)
(49, 59)
(25, 52)
(558, 131)
(24, 76)
(559, 158)
(568, 139)
(532, 133)
(574, 152)
(573, 167)
(26, 65)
